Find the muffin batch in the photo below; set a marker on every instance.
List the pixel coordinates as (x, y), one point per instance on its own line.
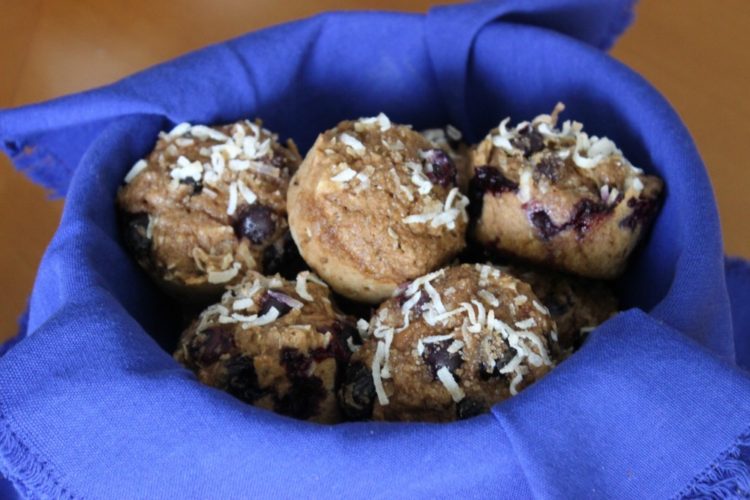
(390, 274)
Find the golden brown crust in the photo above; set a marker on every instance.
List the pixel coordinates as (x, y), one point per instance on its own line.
(350, 209)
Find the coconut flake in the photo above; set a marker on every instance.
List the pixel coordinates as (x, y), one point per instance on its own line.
(232, 204)
(266, 319)
(179, 130)
(489, 298)
(240, 304)
(139, 167)
(446, 378)
(301, 286)
(217, 277)
(376, 379)
(345, 175)
(526, 324)
(352, 142)
(246, 192)
(524, 186)
(286, 299)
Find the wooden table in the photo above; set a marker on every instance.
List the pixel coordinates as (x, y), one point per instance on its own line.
(694, 51)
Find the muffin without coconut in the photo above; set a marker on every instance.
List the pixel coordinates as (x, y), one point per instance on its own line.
(374, 204)
(559, 198)
(273, 343)
(208, 205)
(448, 346)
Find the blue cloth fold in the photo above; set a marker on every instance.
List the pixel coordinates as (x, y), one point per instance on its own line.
(656, 403)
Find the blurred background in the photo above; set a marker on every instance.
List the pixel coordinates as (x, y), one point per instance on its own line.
(693, 51)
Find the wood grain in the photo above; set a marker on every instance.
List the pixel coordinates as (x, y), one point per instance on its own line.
(693, 51)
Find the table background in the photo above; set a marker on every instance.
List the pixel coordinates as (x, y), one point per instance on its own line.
(693, 51)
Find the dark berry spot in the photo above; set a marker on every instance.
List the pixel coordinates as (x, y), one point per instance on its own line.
(338, 347)
(586, 214)
(357, 393)
(197, 185)
(211, 343)
(491, 180)
(436, 356)
(528, 140)
(548, 167)
(439, 167)
(242, 380)
(547, 228)
(284, 258)
(467, 408)
(644, 209)
(276, 300)
(255, 222)
(303, 398)
(295, 363)
(135, 228)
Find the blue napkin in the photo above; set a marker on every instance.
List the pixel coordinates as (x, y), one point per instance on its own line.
(656, 404)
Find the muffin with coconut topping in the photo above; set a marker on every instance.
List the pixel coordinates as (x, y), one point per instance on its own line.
(449, 345)
(273, 343)
(374, 204)
(207, 206)
(559, 197)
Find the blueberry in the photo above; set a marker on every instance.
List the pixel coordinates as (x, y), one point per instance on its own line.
(306, 392)
(135, 228)
(439, 167)
(197, 185)
(255, 222)
(242, 380)
(338, 347)
(490, 180)
(644, 209)
(544, 224)
(211, 343)
(357, 393)
(436, 356)
(273, 299)
(528, 140)
(303, 398)
(467, 408)
(587, 213)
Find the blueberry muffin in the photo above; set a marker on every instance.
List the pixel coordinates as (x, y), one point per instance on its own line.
(577, 305)
(207, 206)
(374, 204)
(273, 343)
(448, 346)
(558, 197)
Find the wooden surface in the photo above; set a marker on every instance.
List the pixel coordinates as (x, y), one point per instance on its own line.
(694, 51)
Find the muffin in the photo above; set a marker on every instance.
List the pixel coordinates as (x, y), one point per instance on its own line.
(374, 204)
(207, 206)
(557, 197)
(448, 346)
(273, 343)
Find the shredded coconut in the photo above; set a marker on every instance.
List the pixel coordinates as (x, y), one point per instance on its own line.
(139, 167)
